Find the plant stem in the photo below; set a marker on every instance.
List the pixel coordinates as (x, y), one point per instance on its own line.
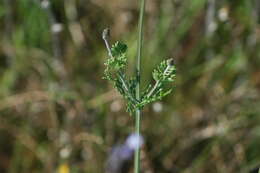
(138, 68)
(105, 36)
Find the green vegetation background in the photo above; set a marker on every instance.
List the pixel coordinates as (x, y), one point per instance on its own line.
(56, 112)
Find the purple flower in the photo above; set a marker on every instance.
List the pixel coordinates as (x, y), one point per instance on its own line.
(134, 141)
(121, 155)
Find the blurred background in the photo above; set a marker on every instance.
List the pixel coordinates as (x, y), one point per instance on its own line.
(57, 114)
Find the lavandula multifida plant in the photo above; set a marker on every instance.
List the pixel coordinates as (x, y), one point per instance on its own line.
(129, 88)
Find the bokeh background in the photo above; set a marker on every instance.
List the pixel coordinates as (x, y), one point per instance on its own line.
(58, 115)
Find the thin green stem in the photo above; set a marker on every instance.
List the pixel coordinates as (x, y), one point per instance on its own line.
(138, 69)
(105, 36)
(137, 151)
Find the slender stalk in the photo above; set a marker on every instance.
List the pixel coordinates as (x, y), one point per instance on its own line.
(105, 36)
(138, 68)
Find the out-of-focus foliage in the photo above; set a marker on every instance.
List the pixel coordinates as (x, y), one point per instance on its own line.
(56, 110)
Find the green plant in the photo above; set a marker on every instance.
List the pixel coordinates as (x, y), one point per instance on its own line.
(129, 88)
(115, 72)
